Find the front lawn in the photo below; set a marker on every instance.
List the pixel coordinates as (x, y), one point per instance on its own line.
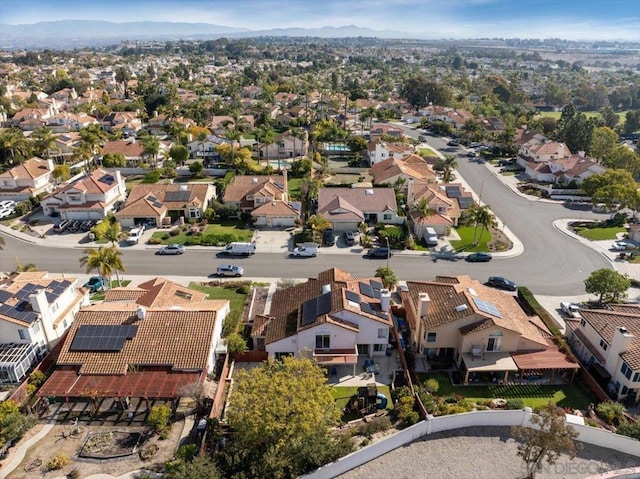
(294, 184)
(465, 243)
(597, 234)
(573, 396)
(235, 228)
(427, 153)
(236, 299)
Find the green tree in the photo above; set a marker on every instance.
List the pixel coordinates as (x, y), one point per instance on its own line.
(291, 433)
(179, 154)
(448, 165)
(151, 146)
(159, 417)
(419, 91)
(481, 216)
(236, 343)
(105, 260)
(123, 75)
(114, 160)
(61, 173)
(613, 188)
(608, 284)
(388, 277)
(356, 143)
(603, 143)
(13, 424)
(43, 142)
(201, 467)
(196, 168)
(317, 223)
(14, 145)
(553, 438)
(632, 121)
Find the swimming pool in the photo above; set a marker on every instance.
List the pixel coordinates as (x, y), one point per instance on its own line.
(335, 148)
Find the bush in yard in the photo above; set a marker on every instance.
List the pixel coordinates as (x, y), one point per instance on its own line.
(236, 343)
(610, 411)
(152, 177)
(37, 378)
(630, 429)
(175, 231)
(155, 240)
(159, 417)
(432, 385)
(187, 452)
(515, 403)
(58, 462)
(400, 392)
(23, 208)
(405, 412)
(165, 236)
(378, 424)
(193, 240)
(244, 289)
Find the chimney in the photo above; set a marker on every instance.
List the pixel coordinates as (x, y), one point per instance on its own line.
(424, 303)
(50, 165)
(183, 188)
(619, 344)
(38, 300)
(385, 300)
(132, 141)
(326, 288)
(141, 312)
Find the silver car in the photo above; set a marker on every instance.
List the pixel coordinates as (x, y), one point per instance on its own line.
(171, 249)
(229, 270)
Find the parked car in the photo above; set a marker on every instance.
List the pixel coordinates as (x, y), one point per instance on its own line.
(305, 251)
(229, 270)
(453, 143)
(5, 212)
(570, 309)
(171, 249)
(349, 238)
(501, 283)
(380, 253)
(620, 246)
(472, 154)
(328, 237)
(94, 284)
(237, 248)
(134, 236)
(7, 204)
(479, 257)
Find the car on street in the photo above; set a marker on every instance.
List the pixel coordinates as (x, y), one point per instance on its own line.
(379, 253)
(453, 143)
(229, 270)
(479, 257)
(570, 309)
(619, 246)
(472, 154)
(501, 283)
(94, 284)
(305, 251)
(171, 249)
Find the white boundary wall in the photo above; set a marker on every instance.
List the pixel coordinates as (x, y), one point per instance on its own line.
(521, 417)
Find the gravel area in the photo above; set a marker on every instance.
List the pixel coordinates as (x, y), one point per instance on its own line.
(475, 452)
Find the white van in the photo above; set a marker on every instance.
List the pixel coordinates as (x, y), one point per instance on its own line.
(134, 236)
(305, 251)
(238, 249)
(431, 237)
(570, 309)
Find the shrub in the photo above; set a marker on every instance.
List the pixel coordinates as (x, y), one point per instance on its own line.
(148, 452)
(37, 378)
(165, 236)
(175, 231)
(378, 424)
(23, 208)
(400, 392)
(155, 240)
(610, 410)
(152, 176)
(515, 403)
(630, 429)
(236, 343)
(58, 462)
(431, 385)
(405, 412)
(244, 289)
(159, 417)
(193, 240)
(73, 474)
(187, 452)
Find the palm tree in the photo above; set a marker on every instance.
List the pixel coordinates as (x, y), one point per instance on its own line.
(25, 268)
(43, 142)
(318, 223)
(388, 277)
(234, 135)
(482, 216)
(12, 140)
(422, 207)
(104, 260)
(266, 137)
(448, 165)
(151, 146)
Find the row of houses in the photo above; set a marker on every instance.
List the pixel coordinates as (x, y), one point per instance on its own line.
(147, 341)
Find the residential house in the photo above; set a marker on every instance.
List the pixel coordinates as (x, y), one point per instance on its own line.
(346, 208)
(445, 203)
(275, 214)
(35, 312)
(250, 192)
(607, 341)
(573, 168)
(492, 124)
(378, 150)
(333, 318)
(126, 122)
(31, 178)
(285, 145)
(31, 119)
(132, 150)
(205, 149)
(90, 197)
(379, 130)
(66, 144)
(140, 344)
(540, 150)
(65, 122)
(220, 124)
(406, 169)
(483, 332)
(157, 202)
(159, 123)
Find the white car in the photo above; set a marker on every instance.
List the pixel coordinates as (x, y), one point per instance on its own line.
(171, 249)
(305, 251)
(7, 204)
(619, 246)
(5, 212)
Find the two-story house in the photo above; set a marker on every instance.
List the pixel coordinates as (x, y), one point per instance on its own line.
(483, 331)
(333, 318)
(126, 122)
(378, 151)
(30, 178)
(250, 192)
(142, 343)
(284, 145)
(607, 341)
(445, 204)
(132, 150)
(91, 197)
(406, 169)
(35, 312)
(346, 208)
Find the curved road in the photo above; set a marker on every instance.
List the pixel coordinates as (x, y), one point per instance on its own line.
(552, 263)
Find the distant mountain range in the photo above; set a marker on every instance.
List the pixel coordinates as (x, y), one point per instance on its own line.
(81, 33)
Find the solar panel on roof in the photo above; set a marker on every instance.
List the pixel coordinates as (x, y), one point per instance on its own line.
(453, 191)
(4, 296)
(324, 303)
(465, 202)
(107, 179)
(366, 307)
(177, 195)
(309, 312)
(487, 307)
(102, 337)
(351, 296)
(375, 284)
(366, 289)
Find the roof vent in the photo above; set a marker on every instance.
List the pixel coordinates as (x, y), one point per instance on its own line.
(472, 292)
(460, 308)
(254, 180)
(326, 288)
(623, 330)
(141, 312)
(368, 191)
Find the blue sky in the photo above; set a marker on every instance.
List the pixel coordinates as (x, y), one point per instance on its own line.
(570, 19)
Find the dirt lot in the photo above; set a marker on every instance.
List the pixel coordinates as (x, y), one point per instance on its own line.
(54, 443)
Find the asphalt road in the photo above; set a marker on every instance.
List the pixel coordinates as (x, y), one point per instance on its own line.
(552, 263)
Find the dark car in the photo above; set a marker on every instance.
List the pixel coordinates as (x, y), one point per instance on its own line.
(94, 284)
(328, 237)
(479, 257)
(502, 283)
(453, 143)
(349, 238)
(381, 253)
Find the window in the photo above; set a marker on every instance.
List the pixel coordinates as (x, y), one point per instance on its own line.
(378, 348)
(36, 328)
(23, 334)
(624, 391)
(583, 323)
(323, 341)
(431, 337)
(603, 345)
(626, 370)
(386, 217)
(64, 324)
(54, 307)
(636, 378)
(382, 333)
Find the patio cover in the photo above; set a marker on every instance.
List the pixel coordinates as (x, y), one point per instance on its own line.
(498, 361)
(146, 384)
(547, 359)
(335, 356)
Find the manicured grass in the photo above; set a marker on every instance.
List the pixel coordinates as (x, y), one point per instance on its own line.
(342, 394)
(465, 243)
(190, 179)
(236, 299)
(574, 396)
(244, 235)
(588, 114)
(294, 185)
(427, 152)
(596, 234)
